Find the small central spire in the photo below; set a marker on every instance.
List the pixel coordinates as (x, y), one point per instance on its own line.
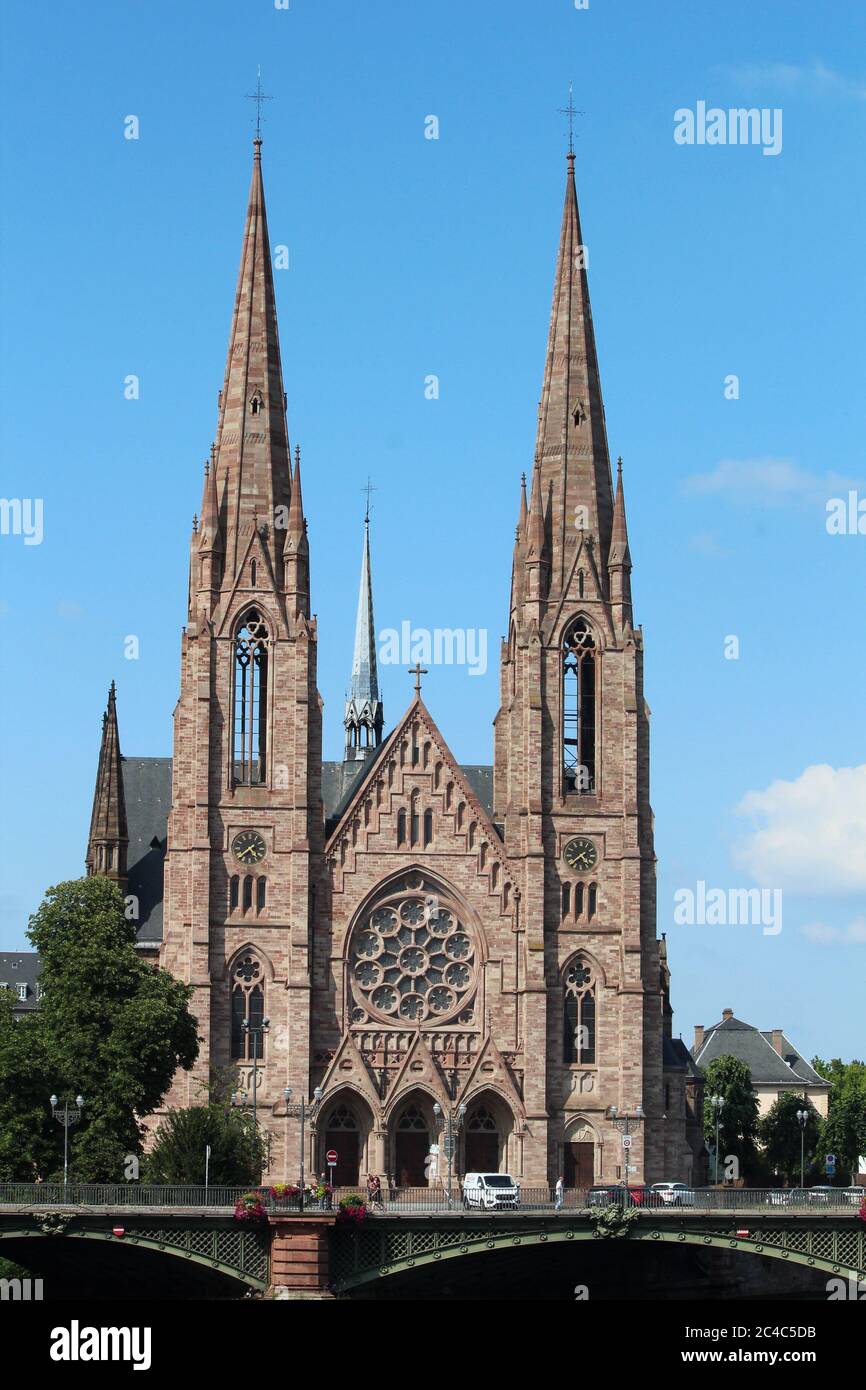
(364, 716)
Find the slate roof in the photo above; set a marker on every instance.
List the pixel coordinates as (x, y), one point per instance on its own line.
(147, 788)
(676, 1057)
(21, 968)
(733, 1038)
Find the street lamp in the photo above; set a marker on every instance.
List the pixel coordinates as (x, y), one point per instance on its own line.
(69, 1115)
(299, 1109)
(623, 1122)
(717, 1104)
(256, 1031)
(451, 1132)
(802, 1121)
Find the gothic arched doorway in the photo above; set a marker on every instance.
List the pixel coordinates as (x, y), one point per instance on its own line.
(482, 1144)
(342, 1133)
(412, 1140)
(578, 1155)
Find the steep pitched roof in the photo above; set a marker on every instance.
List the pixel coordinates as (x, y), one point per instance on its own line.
(733, 1038)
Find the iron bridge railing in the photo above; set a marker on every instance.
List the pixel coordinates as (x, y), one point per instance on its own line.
(397, 1201)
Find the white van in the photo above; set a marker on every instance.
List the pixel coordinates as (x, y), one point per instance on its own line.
(490, 1191)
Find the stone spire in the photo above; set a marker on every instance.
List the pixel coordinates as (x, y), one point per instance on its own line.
(536, 558)
(571, 447)
(364, 714)
(619, 559)
(252, 446)
(109, 837)
(296, 549)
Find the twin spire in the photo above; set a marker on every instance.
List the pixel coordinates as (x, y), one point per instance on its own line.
(572, 496)
(251, 459)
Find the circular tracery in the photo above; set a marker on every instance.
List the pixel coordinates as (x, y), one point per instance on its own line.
(411, 960)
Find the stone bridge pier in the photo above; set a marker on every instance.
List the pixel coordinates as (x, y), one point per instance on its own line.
(300, 1254)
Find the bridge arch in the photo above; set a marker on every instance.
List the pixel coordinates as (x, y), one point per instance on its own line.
(383, 1254)
(239, 1253)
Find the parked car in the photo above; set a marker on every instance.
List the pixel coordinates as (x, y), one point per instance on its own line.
(615, 1194)
(490, 1191)
(853, 1196)
(779, 1197)
(672, 1194)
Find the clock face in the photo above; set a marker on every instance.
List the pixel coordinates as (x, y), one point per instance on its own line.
(580, 853)
(248, 847)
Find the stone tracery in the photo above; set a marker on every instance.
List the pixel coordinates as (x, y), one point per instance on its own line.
(412, 959)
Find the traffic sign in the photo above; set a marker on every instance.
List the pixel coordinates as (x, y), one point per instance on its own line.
(331, 1157)
(626, 1141)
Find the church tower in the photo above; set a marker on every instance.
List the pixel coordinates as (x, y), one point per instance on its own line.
(246, 820)
(571, 773)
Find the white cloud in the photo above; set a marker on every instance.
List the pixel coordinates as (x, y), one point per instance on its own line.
(809, 835)
(813, 79)
(706, 543)
(769, 481)
(852, 935)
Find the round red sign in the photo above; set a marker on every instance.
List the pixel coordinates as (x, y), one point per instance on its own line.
(331, 1156)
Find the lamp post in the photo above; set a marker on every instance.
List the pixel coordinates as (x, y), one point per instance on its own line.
(300, 1109)
(623, 1122)
(68, 1115)
(802, 1121)
(451, 1132)
(256, 1032)
(717, 1104)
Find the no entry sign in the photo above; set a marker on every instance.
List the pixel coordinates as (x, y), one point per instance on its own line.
(331, 1157)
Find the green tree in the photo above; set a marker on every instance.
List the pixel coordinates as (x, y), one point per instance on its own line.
(110, 1026)
(27, 1147)
(843, 1133)
(237, 1147)
(731, 1079)
(779, 1133)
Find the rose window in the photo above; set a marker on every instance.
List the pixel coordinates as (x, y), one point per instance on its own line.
(412, 961)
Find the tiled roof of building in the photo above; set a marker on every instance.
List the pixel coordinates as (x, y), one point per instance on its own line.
(733, 1038)
(19, 970)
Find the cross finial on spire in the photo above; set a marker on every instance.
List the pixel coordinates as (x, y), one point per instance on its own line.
(418, 671)
(367, 490)
(570, 111)
(258, 96)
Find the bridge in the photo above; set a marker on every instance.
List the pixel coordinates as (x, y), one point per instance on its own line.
(169, 1241)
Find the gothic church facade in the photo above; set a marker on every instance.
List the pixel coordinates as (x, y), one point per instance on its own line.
(406, 943)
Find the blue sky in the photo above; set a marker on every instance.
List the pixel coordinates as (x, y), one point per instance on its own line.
(411, 257)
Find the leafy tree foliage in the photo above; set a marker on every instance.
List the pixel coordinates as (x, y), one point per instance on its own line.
(738, 1126)
(27, 1146)
(779, 1133)
(109, 1027)
(844, 1131)
(237, 1147)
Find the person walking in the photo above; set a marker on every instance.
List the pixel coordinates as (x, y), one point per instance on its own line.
(559, 1192)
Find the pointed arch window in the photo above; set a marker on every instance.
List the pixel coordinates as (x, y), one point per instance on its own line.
(579, 1015)
(250, 701)
(578, 707)
(248, 1007)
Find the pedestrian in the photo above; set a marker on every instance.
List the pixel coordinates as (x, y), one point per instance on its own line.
(371, 1190)
(560, 1193)
(377, 1192)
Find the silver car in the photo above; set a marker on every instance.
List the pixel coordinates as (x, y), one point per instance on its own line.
(672, 1194)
